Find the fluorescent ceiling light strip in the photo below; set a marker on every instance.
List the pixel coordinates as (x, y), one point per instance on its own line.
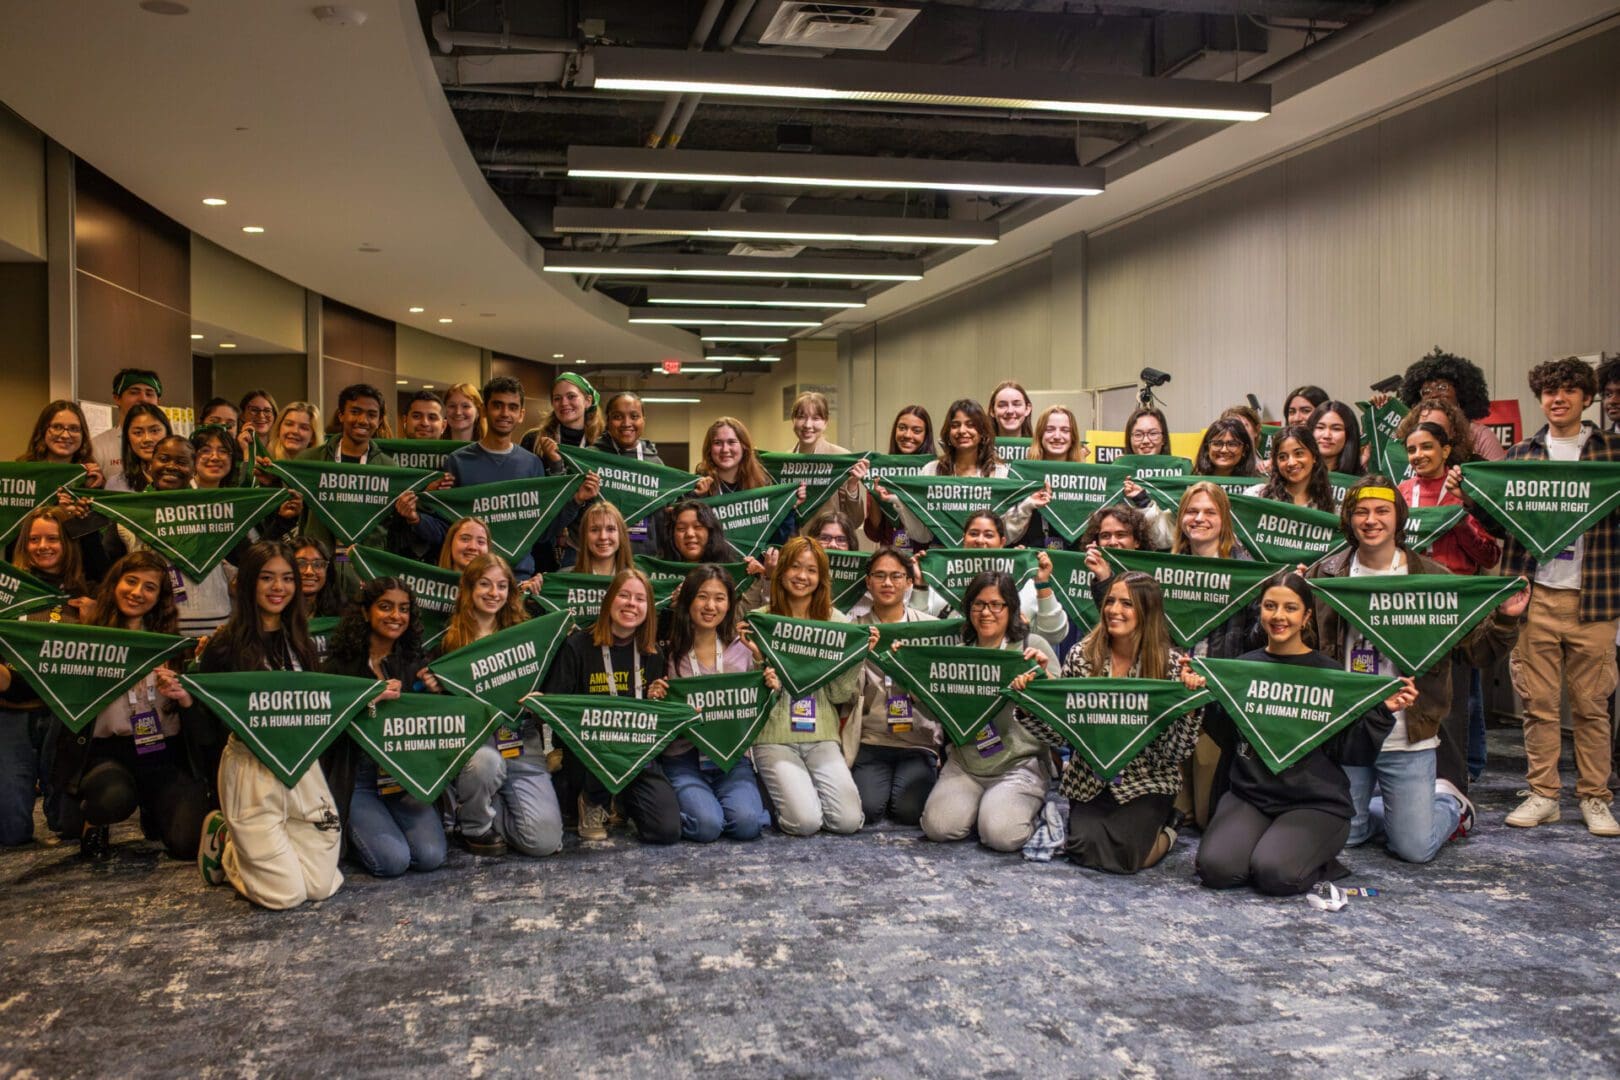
(691, 370)
(721, 266)
(696, 302)
(650, 400)
(640, 271)
(691, 294)
(733, 359)
(688, 321)
(831, 170)
(720, 317)
(741, 337)
(740, 75)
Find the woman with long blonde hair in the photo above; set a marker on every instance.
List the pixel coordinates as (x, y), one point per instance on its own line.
(463, 413)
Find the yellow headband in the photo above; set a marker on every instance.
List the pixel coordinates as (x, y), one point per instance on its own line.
(1387, 494)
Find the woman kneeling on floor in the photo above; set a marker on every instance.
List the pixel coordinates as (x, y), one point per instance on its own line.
(1124, 825)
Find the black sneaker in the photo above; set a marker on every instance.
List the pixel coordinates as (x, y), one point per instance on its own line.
(95, 844)
(489, 844)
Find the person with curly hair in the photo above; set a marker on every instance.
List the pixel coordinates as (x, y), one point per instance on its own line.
(1439, 411)
(1450, 377)
(1574, 610)
(1608, 380)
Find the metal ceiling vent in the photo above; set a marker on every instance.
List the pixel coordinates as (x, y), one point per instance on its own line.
(837, 26)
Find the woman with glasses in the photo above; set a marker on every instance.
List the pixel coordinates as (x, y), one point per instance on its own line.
(1147, 432)
(59, 437)
(891, 745)
(998, 781)
(1037, 602)
(317, 585)
(217, 458)
(257, 417)
(1227, 450)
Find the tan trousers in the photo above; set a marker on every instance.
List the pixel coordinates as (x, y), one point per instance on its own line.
(1555, 647)
(283, 845)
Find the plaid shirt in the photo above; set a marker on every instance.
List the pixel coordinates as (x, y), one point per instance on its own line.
(1156, 770)
(1600, 562)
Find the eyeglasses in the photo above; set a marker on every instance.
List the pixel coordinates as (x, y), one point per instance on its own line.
(1226, 444)
(310, 564)
(993, 607)
(836, 540)
(213, 450)
(895, 577)
(64, 429)
(264, 412)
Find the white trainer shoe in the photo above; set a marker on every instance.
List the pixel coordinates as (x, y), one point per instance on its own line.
(1535, 810)
(1599, 820)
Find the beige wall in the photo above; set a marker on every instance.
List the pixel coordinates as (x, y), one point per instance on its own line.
(285, 376)
(233, 294)
(1486, 220)
(421, 355)
(24, 353)
(22, 186)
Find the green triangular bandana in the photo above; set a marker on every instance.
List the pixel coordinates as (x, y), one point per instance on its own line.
(1268, 435)
(731, 708)
(752, 517)
(77, 670)
(880, 467)
(1426, 524)
(285, 718)
(1378, 424)
(615, 737)
(1078, 490)
(349, 499)
(808, 653)
(959, 685)
(22, 592)
(1166, 490)
(419, 453)
(1545, 505)
(922, 631)
(1150, 466)
(423, 740)
(1415, 619)
(947, 570)
(581, 595)
(675, 571)
(434, 588)
(638, 488)
(1108, 721)
(944, 503)
(1287, 710)
(821, 474)
(1339, 483)
(1071, 584)
(516, 511)
(503, 668)
(27, 484)
(192, 528)
(1280, 532)
(848, 570)
(1010, 448)
(1199, 594)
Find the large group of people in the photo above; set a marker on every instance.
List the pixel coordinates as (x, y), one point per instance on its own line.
(862, 746)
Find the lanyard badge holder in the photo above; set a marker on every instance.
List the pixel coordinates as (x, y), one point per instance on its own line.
(144, 724)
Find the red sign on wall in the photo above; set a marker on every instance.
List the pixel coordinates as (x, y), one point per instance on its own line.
(672, 367)
(1503, 420)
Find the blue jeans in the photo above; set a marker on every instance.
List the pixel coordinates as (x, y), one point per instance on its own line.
(1413, 818)
(391, 834)
(510, 796)
(715, 803)
(21, 735)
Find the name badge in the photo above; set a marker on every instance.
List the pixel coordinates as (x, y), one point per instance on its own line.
(387, 785)
(178, 584)
(509, 741)
(638, 532)
(1567, 555)
(148, 732)
(899, 714)
(802, 715)
(1054, 543)
(988, 741)
(1364, 661)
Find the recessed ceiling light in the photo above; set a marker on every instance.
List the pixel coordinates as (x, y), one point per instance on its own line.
(579, 361)
(196, 337)
(227, 344)
(369, 249)
(447, 319)
(427, 386)
(211, 201)
(402, 382)
(556, 356)
(253, 228)
(417, 310)
(672, 400)
(165, 7)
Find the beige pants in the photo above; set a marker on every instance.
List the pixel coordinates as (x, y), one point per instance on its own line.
(284, 843)
(1004, 807)
(810, 786)
(1554, 647)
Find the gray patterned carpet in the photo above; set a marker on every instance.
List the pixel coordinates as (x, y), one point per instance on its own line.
(877, 955)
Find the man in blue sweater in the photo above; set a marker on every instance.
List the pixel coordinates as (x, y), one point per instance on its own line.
(492, 459)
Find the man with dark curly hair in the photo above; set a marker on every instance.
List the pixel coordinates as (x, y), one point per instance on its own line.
(1569, 629)
(1448, 376)
(1608, 381)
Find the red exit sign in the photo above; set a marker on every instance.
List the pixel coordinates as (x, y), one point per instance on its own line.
(672, 367)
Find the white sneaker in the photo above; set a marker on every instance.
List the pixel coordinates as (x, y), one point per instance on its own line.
(1465, 807)
(1599, 821)
(1535, 810)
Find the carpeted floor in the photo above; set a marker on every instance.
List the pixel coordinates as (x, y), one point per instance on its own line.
(877, 955)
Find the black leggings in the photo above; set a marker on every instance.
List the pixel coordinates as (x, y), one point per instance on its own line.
(117, 781)
(895, 781)
(1280, 856)
(649, 800)
(1116, 837)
